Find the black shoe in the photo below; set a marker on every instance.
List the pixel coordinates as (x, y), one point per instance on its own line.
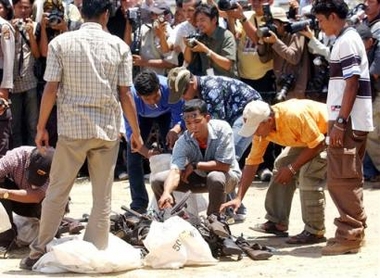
(306, 238)
(28, 263)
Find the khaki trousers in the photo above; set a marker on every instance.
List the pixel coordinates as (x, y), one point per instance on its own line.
(310, 180)
(68, 158)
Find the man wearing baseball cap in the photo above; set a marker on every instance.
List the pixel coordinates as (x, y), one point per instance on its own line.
(300, 126)
(25, 175)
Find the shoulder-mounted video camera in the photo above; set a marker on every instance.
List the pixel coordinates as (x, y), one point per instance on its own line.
(133, 15)
(263, 31)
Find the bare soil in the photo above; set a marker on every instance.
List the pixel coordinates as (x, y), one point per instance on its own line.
(288, 260)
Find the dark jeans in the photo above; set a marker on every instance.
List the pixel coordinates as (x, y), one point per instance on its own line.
(139, 194)
(5, 132)
(22, 209)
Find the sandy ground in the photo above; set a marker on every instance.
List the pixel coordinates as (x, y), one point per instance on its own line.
(288, 261)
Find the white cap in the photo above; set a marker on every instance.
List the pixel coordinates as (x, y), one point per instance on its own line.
(254, 114)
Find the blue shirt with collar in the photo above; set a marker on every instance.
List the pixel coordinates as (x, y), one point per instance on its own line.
(163, 107)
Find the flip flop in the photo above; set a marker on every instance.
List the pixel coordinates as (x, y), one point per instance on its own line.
(269, 228)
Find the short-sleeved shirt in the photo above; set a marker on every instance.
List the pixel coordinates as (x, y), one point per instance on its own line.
(163, 107)
(13, 165)
(90, 64)
(222, 42)
(348, 58)
(7, 53)
(299, 123)
(220, 147)
(249, 63)
(225, 97)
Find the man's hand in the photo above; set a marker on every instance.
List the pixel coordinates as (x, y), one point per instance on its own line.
(235, 204)
(29, 26)
(271, 39)
(199, 47)
(171, 138)
(138, 61)
(166, 201)
(4, 105)
(136, 142)
(42, 139)
(283, 176)
(236, 13)
(336, 136)
(187, 172)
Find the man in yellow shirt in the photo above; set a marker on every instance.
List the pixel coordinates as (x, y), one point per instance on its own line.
(300, 126)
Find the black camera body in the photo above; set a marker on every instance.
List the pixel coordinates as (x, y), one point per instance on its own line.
(286, 82)
(55, 17)
(227, 5)
(192, 38)
(263, 31)
(320, 76)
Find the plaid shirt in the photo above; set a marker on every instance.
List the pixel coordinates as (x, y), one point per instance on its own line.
(13, 166)
(23, 71)
(89, 64)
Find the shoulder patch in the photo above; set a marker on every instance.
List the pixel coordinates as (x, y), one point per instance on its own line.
(6, 32)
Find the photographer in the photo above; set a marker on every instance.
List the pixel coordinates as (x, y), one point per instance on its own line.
(372, 11)
(153, 41)
(24, 95)
(291, 63)
(216, 46)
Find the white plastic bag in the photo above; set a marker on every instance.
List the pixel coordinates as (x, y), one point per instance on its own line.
(5, 224)
(27, 229)
(175, 243)
(80, 256)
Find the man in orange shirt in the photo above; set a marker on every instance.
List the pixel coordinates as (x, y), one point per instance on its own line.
(300, 126)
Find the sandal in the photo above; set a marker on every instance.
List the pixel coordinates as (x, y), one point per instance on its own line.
(269, 227)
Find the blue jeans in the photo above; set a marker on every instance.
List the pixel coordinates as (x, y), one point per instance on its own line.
(139, 194)
(241, 143)
(24, 117)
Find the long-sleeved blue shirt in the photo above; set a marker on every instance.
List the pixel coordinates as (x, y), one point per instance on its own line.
(144, 110)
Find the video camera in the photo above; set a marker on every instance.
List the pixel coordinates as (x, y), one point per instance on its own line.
(133, 15)
(263, 31)
(55, 17)
(286, 82)
(356, 14)
(227, 5)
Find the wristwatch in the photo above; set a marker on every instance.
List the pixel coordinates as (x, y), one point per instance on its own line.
(6, 195)
(341, 120)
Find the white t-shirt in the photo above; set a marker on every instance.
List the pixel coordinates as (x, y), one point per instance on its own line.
(348, 58)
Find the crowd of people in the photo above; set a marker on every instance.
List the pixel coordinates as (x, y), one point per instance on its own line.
(233, 92)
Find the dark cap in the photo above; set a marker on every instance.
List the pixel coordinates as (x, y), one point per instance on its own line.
(364, 31)
(38, 170)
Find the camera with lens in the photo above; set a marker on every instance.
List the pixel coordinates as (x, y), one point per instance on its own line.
(263, 31)
(192, 38)
(20, 25)
(227, 5)
(160, 19)
(356, 14)
(133, 15)
(286, 82)
(55, 17)
(297, 26)
(318, 83)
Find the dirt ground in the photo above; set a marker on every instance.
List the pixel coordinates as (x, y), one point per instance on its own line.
(288, 260)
